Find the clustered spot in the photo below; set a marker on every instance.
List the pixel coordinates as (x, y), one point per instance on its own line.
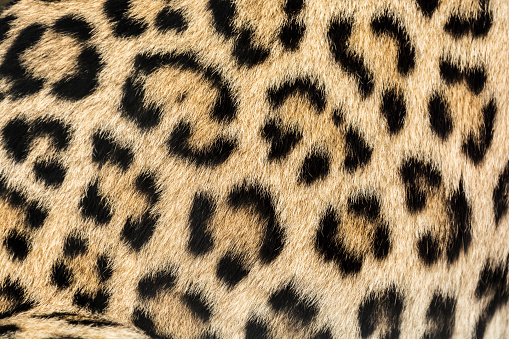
(307, 87)
(381, 309)
(420, 178)
(388, 24)
(393, 109)
(476, 145)
(478, 25)
(440, 116)
(94, 302)
(300, 309)
(339, 32)
(292, 30)
(107, 149)
(475, 76)
(440, 317)
(282, 139)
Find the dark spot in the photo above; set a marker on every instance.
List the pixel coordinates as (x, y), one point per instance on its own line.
(245, 52)
(169, 19)
(61, 275)
(440, 116)
(331, 248)
(200, 240)
(50, 172)
(17, 244)
(134, 106)
(75, 245)
(358, 152)
(460, 214)
(393, 109)
(11, 195)
(365, 205)
(291, 34)
(8, 330)
(223, 15)
(124, 26)
(389, 25)
(104, 267)
(198, 305)
(73, 26)
(297, 308)
(450, 72)
(323, 334)
(315, 166)
(146, 184)
(137, 232)
(476, 146)
(293, 7)
(106, 149)
(154, 283)
(306, 87)
(94, 206)
(440, 317)
(420, 178)
(381, 242)
(5, 26)
(338, 35)
(381, 309)
(17, 138)
(257, 329)
(478, 24)
(13, 292)
(210, 155)
(282, 139)
(231, 270)
(94, 302)
(429, 249)
(428, 7)
(500, 195)
(255, 197)
(476, 79)
(35, 215)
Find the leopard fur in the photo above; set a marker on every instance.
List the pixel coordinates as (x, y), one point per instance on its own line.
(254, 169)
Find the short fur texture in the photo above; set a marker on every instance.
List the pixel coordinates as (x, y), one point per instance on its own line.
(254, 168)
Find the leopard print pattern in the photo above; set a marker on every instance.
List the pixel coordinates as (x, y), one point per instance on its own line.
(254, 169)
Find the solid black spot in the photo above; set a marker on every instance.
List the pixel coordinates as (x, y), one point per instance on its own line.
(61, 275)
(8, 329)
(210, 155)
(358, 152)
(460, 214)
(13, 291)
(35, 215)
(94, 302)
(365, 205)
(293, 7)
(476, 146)
(428, 7)
(323, 334)
(315, 166)
(297, 308)
(245, 52)
(92, 323)
(209, 335)
(137, 232)
(17, 244)
(200, 240)
(223, 15)
(291, 34)
(440, 317)
(490, 279)
(282, 139)
(94, 206)
(440, 116)
(306, 87)
(85, 79)
(75, 245)
(381, 242)
(338, 35)
(104, 267)
(74, 26)
(17, 138)
(5, 26)
(381, 307)
(257, 329)
(146, 183)
(51, 173)
(450, 72)
(107, 149)
(479, 24)
(133, 105)
(500, 195)
(420, 178)
(154, 283)
(12, 196)
(338, 117)
(254, 196)
(388, 24)
(144, 322)
(476, 79)
(428, 248)
(123, 25)
(198, 305)
(231, 270)
(393, 108)
(169, 19)
(331, 248)
(23, 81)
